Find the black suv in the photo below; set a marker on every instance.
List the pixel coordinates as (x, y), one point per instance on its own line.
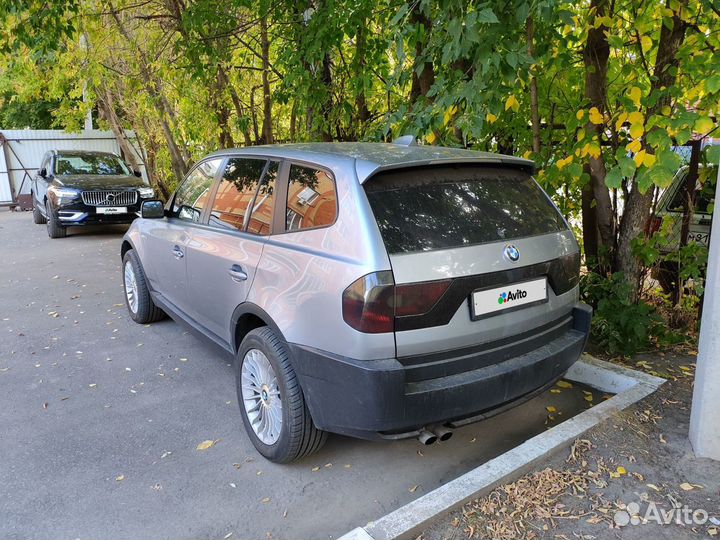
(75, 188)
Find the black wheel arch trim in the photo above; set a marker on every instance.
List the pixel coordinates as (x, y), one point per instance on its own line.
(249, 308)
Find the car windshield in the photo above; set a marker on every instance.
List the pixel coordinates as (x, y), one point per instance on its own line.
(90, 164)
(429, 208)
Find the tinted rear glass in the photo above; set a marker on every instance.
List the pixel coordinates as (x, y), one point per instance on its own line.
(704, 194)
(424, 209)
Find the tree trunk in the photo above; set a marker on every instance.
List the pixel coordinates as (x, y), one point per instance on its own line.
(221, 110)
(152, 86)
(106, 106)
(326, 78)
(363, 113)
(253, 116)
(267, 99)
(589, 226)
(421, 83)
(595, 58)
(637, 207)
(237, 105)
(534, 106)
(293, 121)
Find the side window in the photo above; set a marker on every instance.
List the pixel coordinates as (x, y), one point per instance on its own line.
(311, 199)
(262, 210)
(191, 196)
(236, 192)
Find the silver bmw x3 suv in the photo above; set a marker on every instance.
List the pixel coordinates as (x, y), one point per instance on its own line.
(382, 291)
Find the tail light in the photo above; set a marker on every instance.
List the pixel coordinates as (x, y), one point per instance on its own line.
(654, 225)
(368, 303)
(418, 298)
(371, 303)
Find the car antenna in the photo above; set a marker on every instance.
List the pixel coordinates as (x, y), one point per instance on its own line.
(406, 140)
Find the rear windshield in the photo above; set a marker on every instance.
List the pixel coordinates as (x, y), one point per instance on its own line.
(424, 209)
(704, 194)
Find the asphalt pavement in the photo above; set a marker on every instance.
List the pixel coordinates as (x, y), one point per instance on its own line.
(100, 420)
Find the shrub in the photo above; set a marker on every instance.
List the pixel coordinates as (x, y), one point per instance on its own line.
(619, 325)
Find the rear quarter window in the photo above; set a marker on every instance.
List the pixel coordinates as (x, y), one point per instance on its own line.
(430, 208)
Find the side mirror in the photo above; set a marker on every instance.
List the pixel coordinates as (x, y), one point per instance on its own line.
(43, 172)
(152, 209)
(138, 174)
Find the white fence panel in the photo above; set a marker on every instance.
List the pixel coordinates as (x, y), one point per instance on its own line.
(25, 149)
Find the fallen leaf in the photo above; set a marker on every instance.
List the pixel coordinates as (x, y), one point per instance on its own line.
(551, 409)
(315, 469)
(413, 489)
(588, 398)
(564, 384)
(265, 500)
(205, 445)
(555, 391)
(347, 465)
(662, 439)
(183, 359)
(328, 465)
(120, 478)
(653, 486)
(93, 385)
(685, 486)
(237, 465)
(228, 535)
(621, 470)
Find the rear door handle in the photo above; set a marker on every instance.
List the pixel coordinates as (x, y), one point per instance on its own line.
(178, 252)
(237, 273)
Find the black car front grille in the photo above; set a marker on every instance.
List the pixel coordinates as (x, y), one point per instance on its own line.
(109, 197)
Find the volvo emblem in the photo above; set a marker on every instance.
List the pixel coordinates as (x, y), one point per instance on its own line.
(511, 253)
(110, 197)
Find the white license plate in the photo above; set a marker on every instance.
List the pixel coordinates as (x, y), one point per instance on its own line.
(112, 209)
(699, 237)
(489, 301)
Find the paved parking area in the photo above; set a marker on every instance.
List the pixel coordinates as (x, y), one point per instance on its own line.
(100, 419)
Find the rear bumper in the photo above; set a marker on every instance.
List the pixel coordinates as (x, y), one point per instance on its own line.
(391, 397)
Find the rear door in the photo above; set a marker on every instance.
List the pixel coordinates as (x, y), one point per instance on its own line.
(502, 257)
(224, 254)
(167, 240)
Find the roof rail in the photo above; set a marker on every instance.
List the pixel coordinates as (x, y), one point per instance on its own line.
(406, 140)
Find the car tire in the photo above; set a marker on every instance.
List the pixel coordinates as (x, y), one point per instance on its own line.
(297, 435)
(139, 303)
(38, 218)
(54, 229)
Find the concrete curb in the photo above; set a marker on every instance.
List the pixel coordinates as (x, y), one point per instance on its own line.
(410, 520)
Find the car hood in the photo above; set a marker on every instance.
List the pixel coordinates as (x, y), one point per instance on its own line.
(98, 181)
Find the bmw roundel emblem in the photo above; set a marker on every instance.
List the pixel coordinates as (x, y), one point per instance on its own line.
(511, 253)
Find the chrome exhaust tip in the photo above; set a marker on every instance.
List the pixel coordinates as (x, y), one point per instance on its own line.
(442, 433)
(426, 437)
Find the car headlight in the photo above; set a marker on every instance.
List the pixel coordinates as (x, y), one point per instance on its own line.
(146, 192)
(65, 193)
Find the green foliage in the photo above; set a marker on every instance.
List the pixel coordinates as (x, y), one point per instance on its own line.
(16, 114)
(620, 325)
